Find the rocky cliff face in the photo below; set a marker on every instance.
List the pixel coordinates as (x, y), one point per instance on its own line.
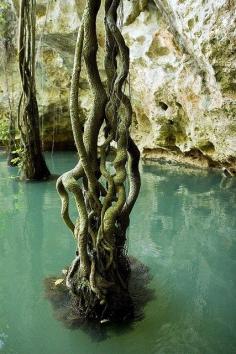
(183, 79)
(182, 76)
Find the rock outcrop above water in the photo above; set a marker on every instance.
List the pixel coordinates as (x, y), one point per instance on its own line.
(183, 76)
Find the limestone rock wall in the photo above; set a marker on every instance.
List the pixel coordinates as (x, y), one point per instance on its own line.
(183, 79)
(182, 75)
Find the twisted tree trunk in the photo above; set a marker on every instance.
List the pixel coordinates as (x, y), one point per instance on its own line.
(98, 276)
(33, 164)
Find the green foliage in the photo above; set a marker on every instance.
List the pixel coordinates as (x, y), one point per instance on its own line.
(4, 131)
(18, 160)
(4, 140)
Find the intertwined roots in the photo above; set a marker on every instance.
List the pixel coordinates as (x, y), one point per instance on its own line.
(98, 276)
(68, 309)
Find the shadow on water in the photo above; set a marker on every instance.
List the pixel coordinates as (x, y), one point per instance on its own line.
(140, 292)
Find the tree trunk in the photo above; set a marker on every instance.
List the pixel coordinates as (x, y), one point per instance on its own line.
(98, 276)
(33, 164)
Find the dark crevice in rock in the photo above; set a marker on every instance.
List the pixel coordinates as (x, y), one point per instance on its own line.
(163, 105)
(194, 157)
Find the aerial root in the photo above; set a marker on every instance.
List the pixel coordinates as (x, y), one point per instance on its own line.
(97, 278)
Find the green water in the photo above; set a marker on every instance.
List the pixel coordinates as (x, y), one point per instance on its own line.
(183, 227)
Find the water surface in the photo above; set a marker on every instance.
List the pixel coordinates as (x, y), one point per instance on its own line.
(183, 227)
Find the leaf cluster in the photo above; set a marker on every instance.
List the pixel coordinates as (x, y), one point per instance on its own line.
(4, 131)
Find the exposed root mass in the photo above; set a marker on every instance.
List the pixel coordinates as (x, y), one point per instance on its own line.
(68, 308)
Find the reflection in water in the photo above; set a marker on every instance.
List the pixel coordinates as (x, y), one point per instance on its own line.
(188, 237)
(183, 229)
(22, 239)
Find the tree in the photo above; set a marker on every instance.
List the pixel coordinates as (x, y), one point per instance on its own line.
(33, 164)
(7, 21)
(98, 276)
